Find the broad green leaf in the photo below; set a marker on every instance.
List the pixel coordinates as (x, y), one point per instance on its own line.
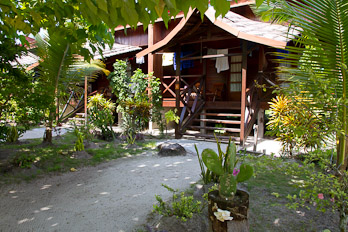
(228, 185)
(231, 152)
(212, 161)
(160, 7)
(221, 7)
(103, 5)
(259, 2)
(245, 173)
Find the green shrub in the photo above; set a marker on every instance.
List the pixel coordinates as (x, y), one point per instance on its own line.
(182, 206)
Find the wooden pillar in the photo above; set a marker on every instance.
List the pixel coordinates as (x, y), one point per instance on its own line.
(243, 94)
(261, 123)
(154, 61)
(86, 96)
(261, 113)
(177, 89)
(204, 72)
(261, 58)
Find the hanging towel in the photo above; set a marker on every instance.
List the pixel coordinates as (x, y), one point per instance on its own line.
(222, 62)
(140, 60)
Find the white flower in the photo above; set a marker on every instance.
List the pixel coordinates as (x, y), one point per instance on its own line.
(223, 215)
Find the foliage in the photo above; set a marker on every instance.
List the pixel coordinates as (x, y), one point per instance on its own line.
(79, 142)
(24, 160)
(133, 100)
(294, 125)
(224, 165)
(205, 174)
(100, 112)
(12, 135)
(321, 187)
(19, 103)
(58, 69)
(182, 206)
(171, 116)
(317, 65)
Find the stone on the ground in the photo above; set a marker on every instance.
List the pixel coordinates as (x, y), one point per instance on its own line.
(171, 149)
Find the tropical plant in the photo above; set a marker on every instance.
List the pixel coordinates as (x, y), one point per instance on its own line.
(294, 125)
(100, 112)
(134, 103)
(316, 66)
(225, 166)
(59, 68)
(79, 142)
(182, 206)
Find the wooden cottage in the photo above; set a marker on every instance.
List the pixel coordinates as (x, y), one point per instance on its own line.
(219, 65)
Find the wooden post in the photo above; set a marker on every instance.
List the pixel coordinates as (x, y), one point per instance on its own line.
(243, 95)
(86, 96)
(150, 59)
(203, 124)
(177, 89)
(261, 58)
(261, 122)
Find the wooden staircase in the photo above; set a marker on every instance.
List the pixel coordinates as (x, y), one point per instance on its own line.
(221, 118)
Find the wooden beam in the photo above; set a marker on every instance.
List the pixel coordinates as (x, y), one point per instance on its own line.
(210, 56)
(243, 94)
(177, 90)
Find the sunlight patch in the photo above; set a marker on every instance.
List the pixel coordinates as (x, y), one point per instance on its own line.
(104, 193)
(46, 208)
(46, 186)
(25, 220)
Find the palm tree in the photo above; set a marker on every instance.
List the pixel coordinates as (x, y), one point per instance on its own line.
(318, 66)
(59, 68)
(319, 58)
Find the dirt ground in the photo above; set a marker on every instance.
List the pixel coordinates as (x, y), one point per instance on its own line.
(119, 195)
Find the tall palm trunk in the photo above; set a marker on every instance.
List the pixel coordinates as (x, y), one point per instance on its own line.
(49, 127)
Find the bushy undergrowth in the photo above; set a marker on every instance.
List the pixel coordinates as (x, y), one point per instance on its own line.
(181, 206)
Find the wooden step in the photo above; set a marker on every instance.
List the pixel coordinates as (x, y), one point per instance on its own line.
(211, 136)
(216, 128)
(221, 114)
(77, 119)
(222, 105)
(218, 121)
(81, 114)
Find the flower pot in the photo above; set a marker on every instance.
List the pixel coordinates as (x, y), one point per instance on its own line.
(238, 208)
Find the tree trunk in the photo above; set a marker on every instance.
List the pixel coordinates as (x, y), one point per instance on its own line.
(342, 151)
(49, 127)
(343, 219)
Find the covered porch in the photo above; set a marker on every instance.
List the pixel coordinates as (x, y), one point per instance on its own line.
(219, 65)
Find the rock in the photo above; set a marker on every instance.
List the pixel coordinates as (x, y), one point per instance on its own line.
(171, 149)
(90, 145)
(81, 155)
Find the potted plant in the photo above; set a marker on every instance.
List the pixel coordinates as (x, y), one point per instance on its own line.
(228, 206)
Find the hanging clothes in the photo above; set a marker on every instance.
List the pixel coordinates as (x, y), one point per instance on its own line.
(222, 62)
(140, 60)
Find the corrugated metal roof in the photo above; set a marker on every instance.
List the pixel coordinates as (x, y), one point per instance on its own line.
(26, 59)
(261, 29)
(117, 49)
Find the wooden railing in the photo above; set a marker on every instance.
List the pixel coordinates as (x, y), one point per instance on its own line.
(194, 91)
(254, 96)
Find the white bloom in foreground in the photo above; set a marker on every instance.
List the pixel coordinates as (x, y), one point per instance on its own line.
(223, 215)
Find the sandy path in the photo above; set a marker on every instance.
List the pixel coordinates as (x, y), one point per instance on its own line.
(115, 196)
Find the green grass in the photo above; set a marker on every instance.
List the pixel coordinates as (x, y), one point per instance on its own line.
(59, 157)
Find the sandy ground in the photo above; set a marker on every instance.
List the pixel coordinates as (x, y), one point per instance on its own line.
(114, 196)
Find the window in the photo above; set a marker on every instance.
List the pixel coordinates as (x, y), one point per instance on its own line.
(235, 81)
